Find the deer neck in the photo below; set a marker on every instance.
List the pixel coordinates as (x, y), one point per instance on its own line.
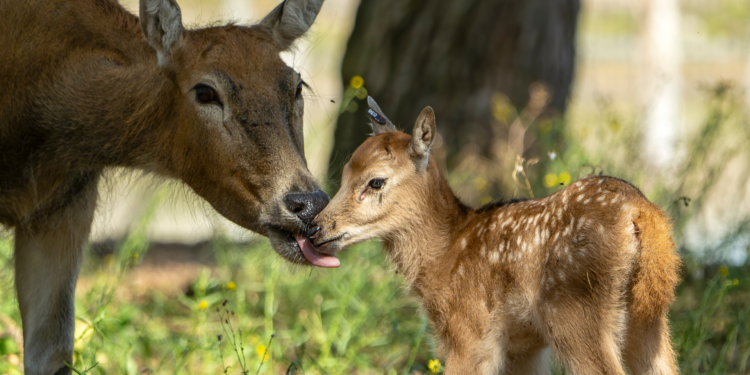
(419, 245)
(129, 118)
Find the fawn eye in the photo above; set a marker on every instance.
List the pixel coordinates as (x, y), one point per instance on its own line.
(299, 88)
(204, 94)
(376, 183)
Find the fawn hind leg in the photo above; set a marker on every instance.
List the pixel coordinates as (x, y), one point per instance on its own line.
(586, 340)
(648, 348)
(48, 254)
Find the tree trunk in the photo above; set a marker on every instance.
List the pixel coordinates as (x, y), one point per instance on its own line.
(473, 61)
(661, 58)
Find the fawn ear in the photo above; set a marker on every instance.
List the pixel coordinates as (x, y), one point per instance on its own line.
(291, 19)
(422, 137)
(161, 24)
(378, 121)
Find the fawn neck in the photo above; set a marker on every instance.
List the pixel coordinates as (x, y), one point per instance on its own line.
(436, 217)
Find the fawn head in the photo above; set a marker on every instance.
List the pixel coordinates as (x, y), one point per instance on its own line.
(382, 187)
(236, 115)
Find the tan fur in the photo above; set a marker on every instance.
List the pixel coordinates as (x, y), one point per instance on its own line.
(87, 85)
(588, 272)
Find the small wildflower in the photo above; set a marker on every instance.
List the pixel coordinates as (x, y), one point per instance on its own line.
(261, 351)
(357, 82)
(434, 365)
(724, 270)
(735, 282)
(231, 286)
(550, 180)
(564, 178)
(203, 305)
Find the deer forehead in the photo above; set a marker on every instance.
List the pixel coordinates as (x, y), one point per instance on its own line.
(382, 149)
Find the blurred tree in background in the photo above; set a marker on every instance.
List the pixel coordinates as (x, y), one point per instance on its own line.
(474, 61)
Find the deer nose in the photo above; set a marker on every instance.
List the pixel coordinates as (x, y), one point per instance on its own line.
(306, 205)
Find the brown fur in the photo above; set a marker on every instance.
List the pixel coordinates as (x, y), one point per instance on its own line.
(87, 85)
(589, 271)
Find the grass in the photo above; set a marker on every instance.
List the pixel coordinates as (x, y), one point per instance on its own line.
(354, 320)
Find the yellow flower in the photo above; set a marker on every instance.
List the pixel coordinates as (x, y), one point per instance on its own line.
(724, 270)
(203, 305)
(735, 282)
(357, 82)
(135, 256)
(231, 286)
(261, 351)
(550, 180)
(434, 365)
(564, 177)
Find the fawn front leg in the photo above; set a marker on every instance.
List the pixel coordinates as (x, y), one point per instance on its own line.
(487, 358)
(48, 255)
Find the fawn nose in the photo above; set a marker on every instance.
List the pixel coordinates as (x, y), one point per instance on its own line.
(313, 232)
(306, 205)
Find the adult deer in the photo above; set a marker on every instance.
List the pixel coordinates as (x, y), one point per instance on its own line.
(589, 271)
(87, 85)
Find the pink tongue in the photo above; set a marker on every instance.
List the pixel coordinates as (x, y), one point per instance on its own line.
(312, 255)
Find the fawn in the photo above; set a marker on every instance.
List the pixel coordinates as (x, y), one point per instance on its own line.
(87, 85)
(589, 271)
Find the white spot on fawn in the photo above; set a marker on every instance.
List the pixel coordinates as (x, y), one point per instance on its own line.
(601, 197)
(463, 243)
(587, 201)
(494, 257)
(580, 197)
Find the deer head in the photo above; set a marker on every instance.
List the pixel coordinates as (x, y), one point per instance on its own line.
(235, 113)
(382, 186)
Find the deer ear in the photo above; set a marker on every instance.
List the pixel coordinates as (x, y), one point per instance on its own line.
(291, 19)
(378, 121)
(161, 24)
(422, 137)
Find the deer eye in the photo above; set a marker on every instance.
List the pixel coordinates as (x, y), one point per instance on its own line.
(299, 88)
(376, 183)
(205, 94)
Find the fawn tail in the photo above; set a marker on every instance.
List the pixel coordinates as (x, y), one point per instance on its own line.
(657, 271)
